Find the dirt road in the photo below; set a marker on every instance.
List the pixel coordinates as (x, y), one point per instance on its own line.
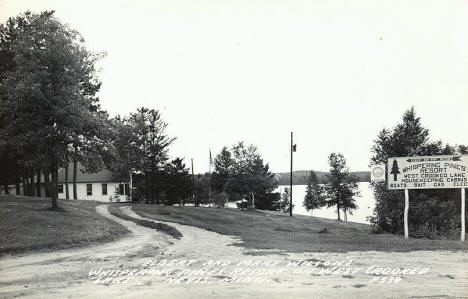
(205, 264)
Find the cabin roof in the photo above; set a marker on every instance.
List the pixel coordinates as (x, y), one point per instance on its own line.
(104, 175)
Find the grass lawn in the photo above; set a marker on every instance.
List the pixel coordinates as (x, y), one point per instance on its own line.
(30, 224)
(271, 230)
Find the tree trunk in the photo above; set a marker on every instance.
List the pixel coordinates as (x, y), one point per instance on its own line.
(56, 179)
(154, 189)
(33, 184)
(47, 182)
(25, 185)
(28, 184)
(38, 187)
(67, 194)
(338, 209)
(17, 180)
(130, 187)
(147, 187)
(22, 183)
(54, 172)
(158, 192)
(17, 184)
(75, 171)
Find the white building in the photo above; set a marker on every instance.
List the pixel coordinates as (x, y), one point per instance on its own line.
(100, 186)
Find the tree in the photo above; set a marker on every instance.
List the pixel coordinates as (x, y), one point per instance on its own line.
(220, 199)
(314, 197)
(139, 152)
(223, 163)
(201, 189)
(248, 175)
(433, 212)
(89, 144)
(151, 149)
(285, 203)
(48, 83)
(268, 201)
(178, 182)
(125, 150)
(342, 189)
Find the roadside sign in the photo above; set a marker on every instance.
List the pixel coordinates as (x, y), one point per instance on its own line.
(378, 173)
(431, 172)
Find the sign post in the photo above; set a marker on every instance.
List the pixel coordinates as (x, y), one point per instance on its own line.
(463, 214)
(406, 213)
(430, 172)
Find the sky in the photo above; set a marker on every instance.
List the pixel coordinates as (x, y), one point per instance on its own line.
(333, 72)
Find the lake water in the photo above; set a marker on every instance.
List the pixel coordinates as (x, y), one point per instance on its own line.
(365, 203)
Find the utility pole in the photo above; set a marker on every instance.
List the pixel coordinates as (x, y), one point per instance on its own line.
(193, 186)
(209, 187)
(293, 149)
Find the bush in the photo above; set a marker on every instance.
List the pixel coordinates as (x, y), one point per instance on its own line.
(242, 205)
(433, 217)
(269, 201)
(220, 199)
(433, 213)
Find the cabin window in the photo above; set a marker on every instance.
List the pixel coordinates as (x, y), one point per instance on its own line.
(89, 189)
(121, 189)
(104, 189)
(60, 188)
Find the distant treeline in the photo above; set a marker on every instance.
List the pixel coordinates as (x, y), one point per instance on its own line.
(300, 177)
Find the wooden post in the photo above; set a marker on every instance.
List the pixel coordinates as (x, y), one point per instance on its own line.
(291, 178)
(209, 186)
(406, 213)
(193, 187)
(463, 214)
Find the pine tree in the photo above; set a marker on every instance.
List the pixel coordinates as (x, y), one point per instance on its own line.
(178, 182)
(314, 197)
(222, 166)
(152, 143)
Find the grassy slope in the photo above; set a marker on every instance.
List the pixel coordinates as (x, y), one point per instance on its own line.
(29, 224)
(261, 230)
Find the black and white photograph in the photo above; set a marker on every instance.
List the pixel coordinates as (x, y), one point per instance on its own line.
(233, 149)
